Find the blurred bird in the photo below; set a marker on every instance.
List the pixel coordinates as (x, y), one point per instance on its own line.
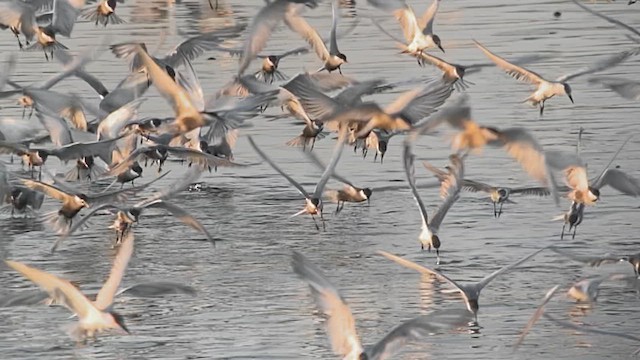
(341, 325)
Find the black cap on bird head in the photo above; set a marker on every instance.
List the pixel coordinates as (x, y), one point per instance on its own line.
(171, 72)
(135, 212)
(112, 4)
(367, 192)
(435, 241)
(204, 146)
(15, 193)
(567, 90)
(437, 41)
(83, 197)
(595, 192)
(42, 154)
(274, 60)
(87, 161)
(342, 56)
(473, 306)
(502, 193)
(460, 71)
(119, 319)
(315, 202)
(136, 168)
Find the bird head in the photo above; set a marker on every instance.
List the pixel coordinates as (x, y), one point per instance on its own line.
(137, 168)
(83, 200)
(437, 41)
(119, 321)
(367, 193)
(567, 90)
(274, 60)
(135, 212)
(435, 241)
(595, 192)
(343, 57)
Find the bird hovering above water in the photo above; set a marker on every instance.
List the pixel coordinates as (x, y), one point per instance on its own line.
(419, 33)
(313, 202)
(546, 89)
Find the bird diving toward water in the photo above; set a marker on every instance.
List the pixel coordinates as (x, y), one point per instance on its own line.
(546, 89)
(450, 189)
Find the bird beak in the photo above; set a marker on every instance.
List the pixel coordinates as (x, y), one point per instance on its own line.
(570, 98)
(124, 327)
(440, 47)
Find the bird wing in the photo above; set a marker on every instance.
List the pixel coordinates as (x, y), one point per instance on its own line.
(524, 148)
(426, 22)
(297, 51)
(533, 191)
(261, 28)
(408, 22)
(79, 223)
(573, 326)
(170, 191)
(422, 269)
(536, 315)
(315, 103)
(333, 41)
(183, 216)
(410, 172)
(487, 279)
(108, 291)
(620, 181)
(57, 127)
(435, 61)
(276, 168)
(130, 88)
(78, 150)
(576, 177)
(175, 94)
(600, 65)
(201, 158)
(195, 46)
(64, 17)
(298, 24)
(113, 123)
(328, 171)
(47, 189)
(517, 72)
(318, 163)
(157, 288)
(19, 12)
(475, 186)
(457, 114)
(341, 326)
(127, 162)
(415, 105)
(613, 158)
(607, 18)
(589, 260)
(416, 329)
(58, 288)
(627, 89)
(450, 189)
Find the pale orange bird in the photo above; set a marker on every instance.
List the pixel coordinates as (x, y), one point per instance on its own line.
(94, 316)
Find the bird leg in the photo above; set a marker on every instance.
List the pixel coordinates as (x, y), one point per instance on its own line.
(315, 222)
(500, 210)
(19, 42)
(437, 257)
(541, 107)
(495, 211)
(562, 234)
(575, 228)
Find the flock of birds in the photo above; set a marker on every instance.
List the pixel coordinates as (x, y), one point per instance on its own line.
(109, 143)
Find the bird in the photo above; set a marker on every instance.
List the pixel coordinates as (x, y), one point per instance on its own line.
(419, 34)
(429, 236)
(332, 58)
(313, 202)
(573, 217)
(350, 192)
(546, 89)
(498, 194)
(401, 115)
(341, 326)
(269, 72)
(263, 24)
(470, 292)
(94, 316)
(104, 13)
(24, 200)
(611, 20)
(126, 216)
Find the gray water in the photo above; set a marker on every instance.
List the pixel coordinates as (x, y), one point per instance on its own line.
(251, 305)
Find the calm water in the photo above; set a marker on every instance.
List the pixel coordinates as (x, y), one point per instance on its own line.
(251, 305)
